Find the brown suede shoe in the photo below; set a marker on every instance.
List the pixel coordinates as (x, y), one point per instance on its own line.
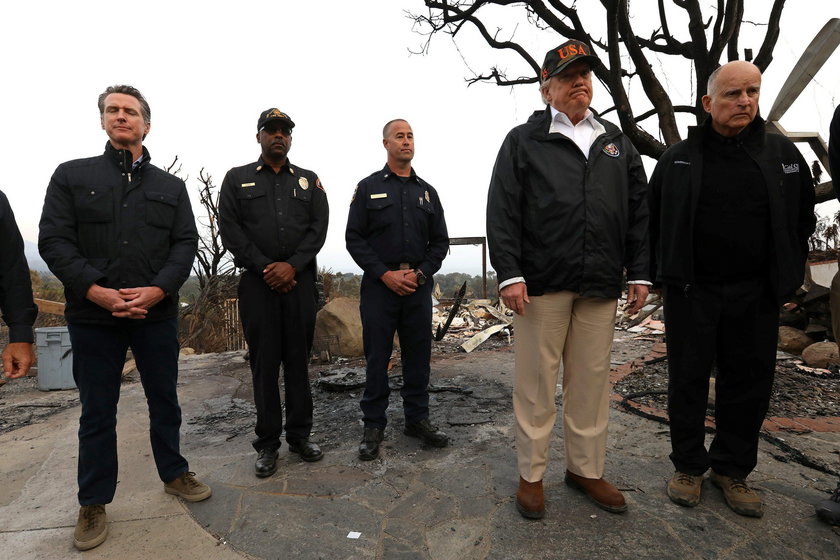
(188, 487)
(602, 493)
(530, 500)
(738, 495)
(91, 528)
(684, 489)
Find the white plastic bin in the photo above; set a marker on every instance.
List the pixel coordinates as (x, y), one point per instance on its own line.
(55, 358)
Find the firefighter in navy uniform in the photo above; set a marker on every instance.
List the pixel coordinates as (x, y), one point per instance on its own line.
(397, 234)
(273, 218)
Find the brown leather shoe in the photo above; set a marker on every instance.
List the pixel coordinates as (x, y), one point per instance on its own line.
(530, 500)
(602, 493)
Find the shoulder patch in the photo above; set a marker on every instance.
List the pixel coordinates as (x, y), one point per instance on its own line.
(790, 167)
(354, 194)
(318, 184)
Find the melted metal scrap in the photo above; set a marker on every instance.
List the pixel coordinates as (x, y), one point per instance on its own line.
(458, 298)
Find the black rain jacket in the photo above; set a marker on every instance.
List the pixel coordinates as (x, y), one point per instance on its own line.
(675, 189)
(565, 222)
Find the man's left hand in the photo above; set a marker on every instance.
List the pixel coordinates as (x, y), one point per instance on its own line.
(636, 297)
(138, 301)
(18, 357)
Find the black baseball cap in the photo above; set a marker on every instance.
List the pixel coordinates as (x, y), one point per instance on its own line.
(560, 57)
(274, 114)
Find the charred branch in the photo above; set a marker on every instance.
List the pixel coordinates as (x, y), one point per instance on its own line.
(765, 53)
(708, 37)
(677, 109)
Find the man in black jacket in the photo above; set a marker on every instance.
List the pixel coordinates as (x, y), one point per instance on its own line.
(566, 214)
(829, 509)
(16, 303)
(120, 235)
(273, 218)
(732, 208)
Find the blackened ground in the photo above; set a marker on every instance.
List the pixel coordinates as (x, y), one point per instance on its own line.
(795, 393)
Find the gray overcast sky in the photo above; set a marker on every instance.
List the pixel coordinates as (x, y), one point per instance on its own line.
(339, 70)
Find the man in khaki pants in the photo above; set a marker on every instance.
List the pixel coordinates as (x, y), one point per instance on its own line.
(566, 214)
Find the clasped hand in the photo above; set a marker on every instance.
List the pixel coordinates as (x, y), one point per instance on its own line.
(401, 282)
(280, 277)
(130, 303)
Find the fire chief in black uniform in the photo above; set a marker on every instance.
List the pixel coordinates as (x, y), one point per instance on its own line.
(273, 219)
(397, 234)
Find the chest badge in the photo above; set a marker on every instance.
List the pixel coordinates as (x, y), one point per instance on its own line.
(611, 150)
(304, 183)
(427, 197)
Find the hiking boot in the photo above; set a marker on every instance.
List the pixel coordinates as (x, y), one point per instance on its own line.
(684, 489)
(829, 510)
(369, 448)
(187, 487)
(739, 497)
(427, 433)
(91, 528)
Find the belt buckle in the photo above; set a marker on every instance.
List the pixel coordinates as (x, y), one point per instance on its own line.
(405, 266)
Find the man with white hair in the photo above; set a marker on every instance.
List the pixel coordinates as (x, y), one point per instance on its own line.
(732, 208)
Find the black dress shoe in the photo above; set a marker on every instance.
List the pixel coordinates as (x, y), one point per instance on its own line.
(369, 448)
(429, 434)
(266, 464)
(308, 451)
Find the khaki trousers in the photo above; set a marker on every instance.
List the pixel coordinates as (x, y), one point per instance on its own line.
(578, 330)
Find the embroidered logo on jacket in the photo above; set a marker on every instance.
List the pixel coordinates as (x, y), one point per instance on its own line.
(611, 150)
(790, 168)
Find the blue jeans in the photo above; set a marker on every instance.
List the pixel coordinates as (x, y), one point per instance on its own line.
(98, 358)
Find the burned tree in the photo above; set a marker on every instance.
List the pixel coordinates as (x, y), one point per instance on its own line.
(628, 48)
(211, 317)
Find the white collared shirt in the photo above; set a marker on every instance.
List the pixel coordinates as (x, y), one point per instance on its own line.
(583, 133)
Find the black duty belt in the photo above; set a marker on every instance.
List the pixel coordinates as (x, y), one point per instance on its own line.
(401, 266)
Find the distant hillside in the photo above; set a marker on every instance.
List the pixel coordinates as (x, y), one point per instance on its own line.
(33, 258)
